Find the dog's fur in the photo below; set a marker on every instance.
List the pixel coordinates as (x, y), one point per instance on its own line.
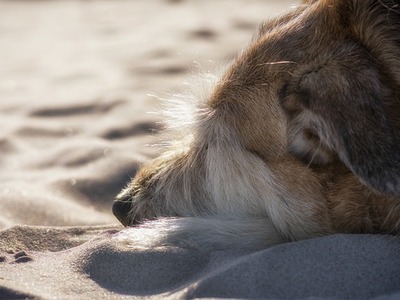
(298, 139)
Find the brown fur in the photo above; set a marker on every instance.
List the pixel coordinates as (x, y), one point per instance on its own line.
(315, 98)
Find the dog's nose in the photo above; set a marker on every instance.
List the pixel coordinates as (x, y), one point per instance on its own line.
(121, 210)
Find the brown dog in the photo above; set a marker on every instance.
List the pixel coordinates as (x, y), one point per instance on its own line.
(298, 139)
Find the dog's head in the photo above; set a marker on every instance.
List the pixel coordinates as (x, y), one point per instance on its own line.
(306, 111)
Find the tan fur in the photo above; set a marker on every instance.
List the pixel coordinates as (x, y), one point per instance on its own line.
(302, 130)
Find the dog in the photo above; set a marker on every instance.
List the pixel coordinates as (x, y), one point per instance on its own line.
(297, 139)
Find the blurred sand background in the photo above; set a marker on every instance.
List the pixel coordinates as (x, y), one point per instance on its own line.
(78, 117)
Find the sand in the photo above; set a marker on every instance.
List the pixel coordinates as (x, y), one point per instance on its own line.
(78, 117)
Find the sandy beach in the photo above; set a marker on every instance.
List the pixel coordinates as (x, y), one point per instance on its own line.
(79, 112)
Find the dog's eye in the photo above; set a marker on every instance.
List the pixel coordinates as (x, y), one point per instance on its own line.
(303, 141)
(307, 146)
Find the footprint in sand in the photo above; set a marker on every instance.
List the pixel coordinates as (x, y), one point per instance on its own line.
(22, 257)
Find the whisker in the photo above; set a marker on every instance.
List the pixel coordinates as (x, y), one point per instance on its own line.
(283, 62)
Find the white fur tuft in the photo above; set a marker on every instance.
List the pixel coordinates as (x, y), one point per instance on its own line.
(202, 233)
(181, 110)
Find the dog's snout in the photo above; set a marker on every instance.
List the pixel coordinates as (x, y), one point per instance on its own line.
(121, 209)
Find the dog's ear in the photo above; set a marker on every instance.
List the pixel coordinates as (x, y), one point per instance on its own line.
(340, 102)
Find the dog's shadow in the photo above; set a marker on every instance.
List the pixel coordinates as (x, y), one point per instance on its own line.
(338, 266)
(145, 272)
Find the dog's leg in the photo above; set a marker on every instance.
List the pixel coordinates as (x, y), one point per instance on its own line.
(210, 233)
